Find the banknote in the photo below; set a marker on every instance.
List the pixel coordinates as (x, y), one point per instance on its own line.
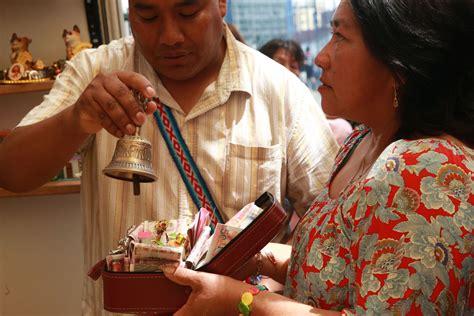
(223, 234)
(245, 216)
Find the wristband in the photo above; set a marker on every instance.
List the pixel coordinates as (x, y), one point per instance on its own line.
(257, 278)
(247, 299)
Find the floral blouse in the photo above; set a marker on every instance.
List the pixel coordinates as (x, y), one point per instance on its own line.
(399, 242)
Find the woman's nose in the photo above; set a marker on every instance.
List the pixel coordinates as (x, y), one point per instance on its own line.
(322, 59)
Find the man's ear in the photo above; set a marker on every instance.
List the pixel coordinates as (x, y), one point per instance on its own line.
(223, 7)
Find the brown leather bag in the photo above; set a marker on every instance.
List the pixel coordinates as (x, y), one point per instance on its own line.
(133, 293)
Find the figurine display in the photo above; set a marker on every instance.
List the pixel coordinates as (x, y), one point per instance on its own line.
(73, 42)
(24, 68)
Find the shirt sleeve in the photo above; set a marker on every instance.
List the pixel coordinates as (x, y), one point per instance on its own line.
(412, 232)
(311, 151)
(67, 88)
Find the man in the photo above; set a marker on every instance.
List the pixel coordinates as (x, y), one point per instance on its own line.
(250, 125)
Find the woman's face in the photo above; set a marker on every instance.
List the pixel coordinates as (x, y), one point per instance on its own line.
(355, 85)
(284, 57)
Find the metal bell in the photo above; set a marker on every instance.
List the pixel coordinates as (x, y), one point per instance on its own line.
(132, 160)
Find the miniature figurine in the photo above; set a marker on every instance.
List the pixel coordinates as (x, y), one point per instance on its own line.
(16, 71)
(21, 55)
(72, 39)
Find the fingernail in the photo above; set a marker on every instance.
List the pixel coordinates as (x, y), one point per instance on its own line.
(130, 129)
(140, 118)
(150, 91)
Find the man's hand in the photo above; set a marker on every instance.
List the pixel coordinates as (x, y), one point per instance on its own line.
(108, 103)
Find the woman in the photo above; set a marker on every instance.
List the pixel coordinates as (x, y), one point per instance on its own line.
(393, 231)
(286, 52)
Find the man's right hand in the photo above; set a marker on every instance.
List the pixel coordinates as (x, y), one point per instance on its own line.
(108, 103)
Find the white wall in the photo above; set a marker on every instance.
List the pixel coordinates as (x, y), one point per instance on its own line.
(41, 265)
(41, 260)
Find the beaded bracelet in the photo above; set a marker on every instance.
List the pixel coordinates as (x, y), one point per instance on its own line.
(257, 278)
(247, 299)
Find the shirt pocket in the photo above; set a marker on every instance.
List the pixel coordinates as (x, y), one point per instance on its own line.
(249, 172)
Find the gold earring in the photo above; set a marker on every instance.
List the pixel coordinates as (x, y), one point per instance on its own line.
(395, 98)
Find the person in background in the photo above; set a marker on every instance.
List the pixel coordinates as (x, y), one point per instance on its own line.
(393, 231)
(290, 54)
(244, 119)
(286, 52)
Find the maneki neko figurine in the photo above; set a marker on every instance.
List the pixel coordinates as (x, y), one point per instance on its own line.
(73, 42)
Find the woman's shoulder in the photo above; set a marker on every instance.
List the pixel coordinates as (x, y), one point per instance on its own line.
(427, 153)
(429, 166)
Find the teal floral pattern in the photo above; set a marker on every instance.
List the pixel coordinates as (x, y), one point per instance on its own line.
(399, 242)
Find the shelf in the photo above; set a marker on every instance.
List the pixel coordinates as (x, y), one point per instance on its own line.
(25, 87)
(50, 188)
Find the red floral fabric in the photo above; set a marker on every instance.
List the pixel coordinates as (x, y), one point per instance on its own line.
(399, 242)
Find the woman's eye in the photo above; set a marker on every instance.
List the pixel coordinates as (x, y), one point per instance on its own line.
(338, 36)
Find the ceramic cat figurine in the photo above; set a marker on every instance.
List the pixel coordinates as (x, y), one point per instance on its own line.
(73, 42)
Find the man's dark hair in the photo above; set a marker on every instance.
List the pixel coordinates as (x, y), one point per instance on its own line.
(428, 45)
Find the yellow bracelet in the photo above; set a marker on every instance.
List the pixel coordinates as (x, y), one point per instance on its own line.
(247, 299)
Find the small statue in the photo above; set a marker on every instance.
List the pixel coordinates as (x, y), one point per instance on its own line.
(21, 55)
(72, 39)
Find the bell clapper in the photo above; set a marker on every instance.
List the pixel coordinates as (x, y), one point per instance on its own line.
(136, 184)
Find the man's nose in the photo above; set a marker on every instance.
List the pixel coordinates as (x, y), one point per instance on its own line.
(171, 33)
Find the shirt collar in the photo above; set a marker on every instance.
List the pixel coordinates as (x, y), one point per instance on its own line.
(234, 76)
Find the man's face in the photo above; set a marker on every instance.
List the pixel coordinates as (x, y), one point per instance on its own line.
(179, 38)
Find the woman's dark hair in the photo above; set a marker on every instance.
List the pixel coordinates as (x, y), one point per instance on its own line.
(269, 49)
(428, 45)
(296, 51)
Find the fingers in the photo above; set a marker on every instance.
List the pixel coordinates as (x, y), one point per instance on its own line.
(109, 103)
(121, 95)
(115, 111)
(136, 81)
(182, 276)
(107, 122)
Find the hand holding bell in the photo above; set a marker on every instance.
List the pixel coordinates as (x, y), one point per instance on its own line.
(132, 159)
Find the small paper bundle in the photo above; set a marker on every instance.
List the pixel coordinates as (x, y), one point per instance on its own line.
(152, 244)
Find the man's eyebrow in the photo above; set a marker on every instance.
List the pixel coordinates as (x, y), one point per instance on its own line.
(143, 6)
(183, 3)
(146, 6)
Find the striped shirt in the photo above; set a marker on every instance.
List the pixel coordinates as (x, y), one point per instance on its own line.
(257, 128)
